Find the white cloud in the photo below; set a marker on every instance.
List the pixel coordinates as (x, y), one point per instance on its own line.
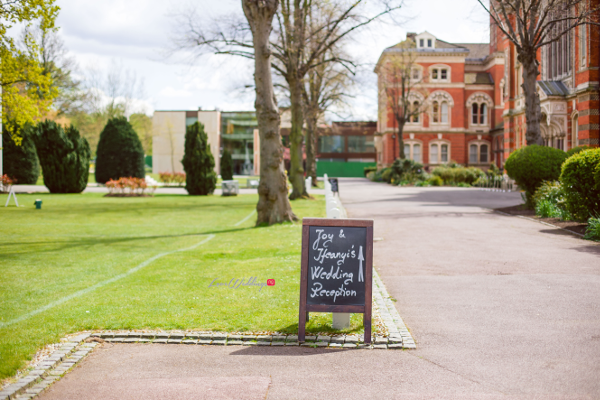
(170, 91)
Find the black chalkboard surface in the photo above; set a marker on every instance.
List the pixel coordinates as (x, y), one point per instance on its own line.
(336, 270)
(336, 265)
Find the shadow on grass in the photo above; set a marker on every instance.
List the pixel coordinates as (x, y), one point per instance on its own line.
(88, 242)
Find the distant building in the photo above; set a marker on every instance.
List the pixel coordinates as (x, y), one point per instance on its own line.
(476, 112)
(343, 149)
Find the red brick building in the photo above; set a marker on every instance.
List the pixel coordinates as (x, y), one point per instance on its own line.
(475, 111)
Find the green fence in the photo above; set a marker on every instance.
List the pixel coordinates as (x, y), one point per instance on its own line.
(148, 161)
(337, 169)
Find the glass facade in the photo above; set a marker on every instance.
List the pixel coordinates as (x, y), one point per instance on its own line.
(361, 144)
(331, 144)
(237, 136)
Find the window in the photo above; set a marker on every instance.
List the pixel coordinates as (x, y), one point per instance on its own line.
(429, 42)
(473, 154)
(416, 73)
(434, 73)
(483, 153)
(444, 74)
(421, 42)
(331, 144)
(439, 152)
(360, 144)
(444, 118)
(412, 151)
(558, 53)
(582, 45)
(482, 114)
(444, 153)
(575, 130)
(436, 112)
(479, 152)
(415, 118)
(479, 114)
(433, 154)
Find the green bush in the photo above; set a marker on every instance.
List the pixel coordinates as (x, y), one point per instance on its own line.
(370, 169)
(577, 149)
(550, 191)
(435, 181)
(493, 170)
(532, 165)
(64, 157)
(120, 153)
(20, 163)
(406, 170)
(198, 162)
(226, 166)
(593, 229)
(386, 175)
(458, 174)
(580, 180)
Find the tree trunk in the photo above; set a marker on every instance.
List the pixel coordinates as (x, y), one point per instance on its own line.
(273, 205)
(296, 139)
(311, 147)
(532, 99)
(401, 139)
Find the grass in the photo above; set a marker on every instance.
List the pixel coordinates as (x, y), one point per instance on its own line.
(77, 241)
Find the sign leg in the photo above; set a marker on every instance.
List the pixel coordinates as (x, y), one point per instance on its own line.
(302, 324)
(367, 325)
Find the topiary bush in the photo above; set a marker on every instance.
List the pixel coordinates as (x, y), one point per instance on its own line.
(577, 149)
(435, 181)
(120, 153)
(198, 162)
(532, 165)
(580, 179)
(20, 163)
(458, 174)
(226, 166)
(64, 156)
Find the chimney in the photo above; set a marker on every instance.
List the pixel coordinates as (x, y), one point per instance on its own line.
(411, 35)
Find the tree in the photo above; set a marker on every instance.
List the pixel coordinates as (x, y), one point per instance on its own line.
(120, 153)
(21, 162)
(530, 25)
(21, 78)
(401, 90)
(198, 162)
(142, 125)
(64, 157)
(292, 57)
(273, 205)
(226, 166)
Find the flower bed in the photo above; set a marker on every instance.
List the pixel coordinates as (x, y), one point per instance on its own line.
(7, 182)
(168, 178)
(129, 187)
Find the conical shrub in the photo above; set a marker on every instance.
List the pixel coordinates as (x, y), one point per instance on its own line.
(64, 157)
(120, 153)
(20, 163)
(226, 166)
(198, 162)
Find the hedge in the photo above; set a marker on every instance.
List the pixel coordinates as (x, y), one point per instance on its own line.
(580, 180)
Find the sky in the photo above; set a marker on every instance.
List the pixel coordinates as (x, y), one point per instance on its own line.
(137, 33)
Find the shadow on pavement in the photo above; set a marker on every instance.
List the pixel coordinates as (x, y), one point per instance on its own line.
(285, 351)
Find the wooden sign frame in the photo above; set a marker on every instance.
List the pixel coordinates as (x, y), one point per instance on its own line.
(365, 309)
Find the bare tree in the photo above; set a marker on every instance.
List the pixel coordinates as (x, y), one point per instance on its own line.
(530, 25)
(273, 205)
(292, 57)
(325, 86)
(400, 88)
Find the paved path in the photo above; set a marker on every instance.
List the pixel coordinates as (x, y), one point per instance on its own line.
(501, 308)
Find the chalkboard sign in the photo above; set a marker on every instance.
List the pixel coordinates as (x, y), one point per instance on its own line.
(336, 273)
(335, 187)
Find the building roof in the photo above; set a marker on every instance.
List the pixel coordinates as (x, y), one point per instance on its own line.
(553, 88)
(476, 50)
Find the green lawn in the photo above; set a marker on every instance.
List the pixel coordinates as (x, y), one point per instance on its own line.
(77, 241)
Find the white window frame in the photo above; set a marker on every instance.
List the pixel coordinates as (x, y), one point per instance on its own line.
(440, 96)
(411, 143)
(439, 68)
(582, 46)
(480, 98)
(439, 143)
(479, 143)
(575, 130)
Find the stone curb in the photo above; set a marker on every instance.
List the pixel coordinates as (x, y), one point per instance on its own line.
(49, 369)
(539, 222)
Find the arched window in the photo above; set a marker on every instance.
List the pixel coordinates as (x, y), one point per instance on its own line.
(473, 154)
(474, 111)
(436, 112)
(433, 154)
(444, 116)
(483, 114)
(415, 118)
